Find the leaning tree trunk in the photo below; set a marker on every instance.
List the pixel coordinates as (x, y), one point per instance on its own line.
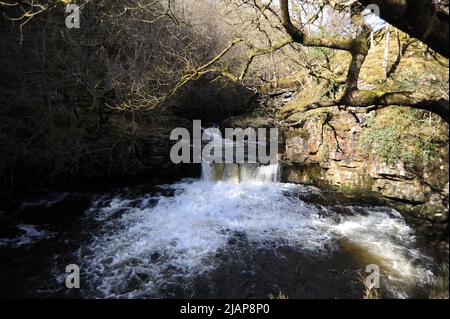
(386, 51)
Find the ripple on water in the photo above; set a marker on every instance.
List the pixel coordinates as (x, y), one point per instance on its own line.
(148, 244)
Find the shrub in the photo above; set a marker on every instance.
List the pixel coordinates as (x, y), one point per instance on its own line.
(403, 134)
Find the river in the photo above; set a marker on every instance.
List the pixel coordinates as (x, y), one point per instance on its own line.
(237, 232)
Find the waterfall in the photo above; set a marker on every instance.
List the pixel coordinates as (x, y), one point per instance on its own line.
(172, 238)
(193, 228)
(236, 173)
(269, 173)
(207, 171)
(233, 172)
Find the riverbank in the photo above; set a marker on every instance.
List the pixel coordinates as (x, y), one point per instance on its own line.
(200, 239)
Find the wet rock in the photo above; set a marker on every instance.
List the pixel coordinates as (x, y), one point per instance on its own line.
(155, 256)
(400, 190)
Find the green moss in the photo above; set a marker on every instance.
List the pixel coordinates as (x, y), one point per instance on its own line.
(403, 134)
(308, 174)
(307, 96)
(248, 121)
(324, 153)
(301, 132)
(342, 126)
(359, 189)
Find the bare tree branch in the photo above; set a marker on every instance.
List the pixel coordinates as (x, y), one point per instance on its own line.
(358, 48)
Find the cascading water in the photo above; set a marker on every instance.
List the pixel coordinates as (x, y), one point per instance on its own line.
(153, 246)
(232, 172)
(238, 232)
(240, 172)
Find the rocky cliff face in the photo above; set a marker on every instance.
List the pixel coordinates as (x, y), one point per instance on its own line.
(395, 155)
(326, 150)
(398, 154)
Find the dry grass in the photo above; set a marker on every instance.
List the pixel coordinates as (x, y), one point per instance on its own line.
(438, 285)
(369, 291)
(280, 296)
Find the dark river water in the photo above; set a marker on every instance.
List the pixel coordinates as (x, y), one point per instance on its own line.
(242, 235)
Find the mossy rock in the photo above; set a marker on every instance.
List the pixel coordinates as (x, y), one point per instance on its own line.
(300, 132)
(248, 122)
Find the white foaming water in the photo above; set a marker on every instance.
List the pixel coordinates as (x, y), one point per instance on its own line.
(384, 235)
(29, 235)
(269, 173)
(47, 202)
(237, 173)
(186, 230)
(177, 237)
(148, 243)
